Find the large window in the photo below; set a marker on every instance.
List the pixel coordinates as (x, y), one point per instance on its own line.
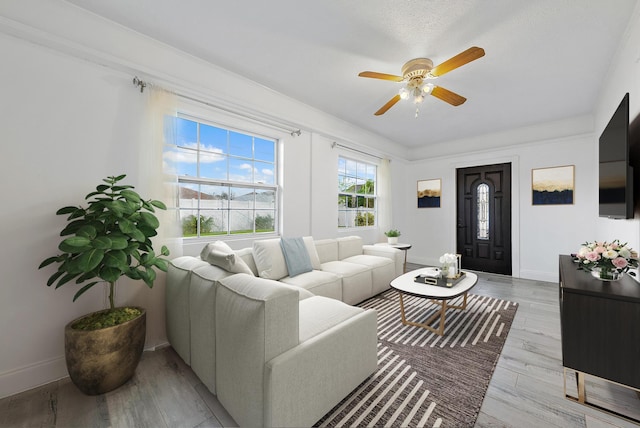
(226, 179)
(356, 193)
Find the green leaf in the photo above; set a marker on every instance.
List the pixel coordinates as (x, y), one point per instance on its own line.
(133, 274)
(119, 188)
(101, 188)
(150, 220)
(148, 231)
(151, 274)
(110, 274)
(73, 227)
(117, 259)
(89, 260)
(161, 264)
(164, 250)
(85, 276)
(66, 210)
(72, 266)
(158, 204)
(118, 178)
(137, 235)
(101, 243)
(54, 277)
(68, 277)
(77, 214)
(48, 261)
(87, 231)
(77, 241)
(126, 226)
(130, 195)
(118, 242)
(83, 289)
(117, 208)
(148, 206)
(71, 249)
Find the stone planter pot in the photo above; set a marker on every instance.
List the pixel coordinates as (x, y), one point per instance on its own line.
(392, 239)
(100, 361)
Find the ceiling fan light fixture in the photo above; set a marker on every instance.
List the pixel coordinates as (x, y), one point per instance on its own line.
(427, 88)
(404, 93)
(418, 96)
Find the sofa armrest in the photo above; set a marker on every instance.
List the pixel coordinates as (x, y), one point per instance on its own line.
(177, 305)
(332, 364)
(256, 320)
(384, 251)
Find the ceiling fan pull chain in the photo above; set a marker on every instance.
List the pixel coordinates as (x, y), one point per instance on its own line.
(417, 111)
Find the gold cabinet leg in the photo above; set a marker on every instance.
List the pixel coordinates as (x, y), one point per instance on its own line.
(582, 392)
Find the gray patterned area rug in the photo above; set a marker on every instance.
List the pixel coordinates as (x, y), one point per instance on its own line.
(424, 379)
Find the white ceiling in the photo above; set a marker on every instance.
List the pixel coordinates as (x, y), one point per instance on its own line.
(545, 60)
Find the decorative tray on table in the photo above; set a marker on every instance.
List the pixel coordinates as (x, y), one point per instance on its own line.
(438, 280)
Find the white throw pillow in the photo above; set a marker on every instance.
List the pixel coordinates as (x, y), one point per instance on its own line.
(269, 259)
(219, 254)
(313, 253)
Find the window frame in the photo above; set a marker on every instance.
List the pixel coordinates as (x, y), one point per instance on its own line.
(238, 125)
(355, 195)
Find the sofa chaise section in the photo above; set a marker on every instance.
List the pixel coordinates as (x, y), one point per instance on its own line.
(283, 361)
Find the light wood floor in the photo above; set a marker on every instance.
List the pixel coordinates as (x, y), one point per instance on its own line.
(526, 389)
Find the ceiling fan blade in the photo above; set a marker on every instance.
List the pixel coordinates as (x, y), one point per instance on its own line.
(374, 75)
(388, 105)
(447, 96)
(459, 60)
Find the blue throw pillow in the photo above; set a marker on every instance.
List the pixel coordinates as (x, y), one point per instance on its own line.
(296, 256)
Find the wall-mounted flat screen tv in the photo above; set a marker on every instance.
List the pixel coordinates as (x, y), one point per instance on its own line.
(616, 173)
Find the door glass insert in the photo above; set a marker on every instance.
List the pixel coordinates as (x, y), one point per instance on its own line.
(483, 211)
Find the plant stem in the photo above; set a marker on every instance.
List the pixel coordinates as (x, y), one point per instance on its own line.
(111, 290)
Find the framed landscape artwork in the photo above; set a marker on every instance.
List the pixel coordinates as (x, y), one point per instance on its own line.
(553, 186)
(429, 192)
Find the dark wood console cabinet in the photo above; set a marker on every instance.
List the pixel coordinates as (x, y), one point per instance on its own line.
(600, 327)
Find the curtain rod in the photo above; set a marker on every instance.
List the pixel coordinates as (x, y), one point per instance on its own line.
(281, 127)
(335, 144)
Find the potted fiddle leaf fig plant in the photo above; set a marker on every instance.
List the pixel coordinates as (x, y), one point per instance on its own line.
(108, 239)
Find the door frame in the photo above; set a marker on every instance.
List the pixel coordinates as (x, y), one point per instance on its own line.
(450, 188)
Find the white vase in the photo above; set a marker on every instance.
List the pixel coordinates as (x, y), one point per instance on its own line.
(392, 240)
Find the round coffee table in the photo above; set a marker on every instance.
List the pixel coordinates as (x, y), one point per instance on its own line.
(439, 295)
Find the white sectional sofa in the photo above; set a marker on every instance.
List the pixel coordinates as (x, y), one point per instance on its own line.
(277, 349)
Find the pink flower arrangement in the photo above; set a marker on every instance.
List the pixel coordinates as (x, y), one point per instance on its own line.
(606, 256)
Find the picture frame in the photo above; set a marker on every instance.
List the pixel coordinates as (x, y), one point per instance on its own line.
(429, 193)
(553, 185)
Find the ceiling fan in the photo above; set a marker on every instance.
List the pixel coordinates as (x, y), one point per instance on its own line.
(416, 71)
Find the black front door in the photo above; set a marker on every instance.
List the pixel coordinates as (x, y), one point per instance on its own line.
(484, 218)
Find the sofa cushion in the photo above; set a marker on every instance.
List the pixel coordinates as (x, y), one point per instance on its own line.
(327, 250)
(356, 280)
(319, 314)
(319, 283)
(219, 254)
(296, 256)
(269, 259)
(349, 246)
(383, 270)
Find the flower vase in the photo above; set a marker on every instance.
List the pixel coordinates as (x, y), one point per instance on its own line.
(392, 240)
(606, 274)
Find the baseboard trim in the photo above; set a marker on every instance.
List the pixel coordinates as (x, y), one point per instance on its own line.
(32, 376)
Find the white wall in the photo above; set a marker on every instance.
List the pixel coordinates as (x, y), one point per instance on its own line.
(68, 121)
